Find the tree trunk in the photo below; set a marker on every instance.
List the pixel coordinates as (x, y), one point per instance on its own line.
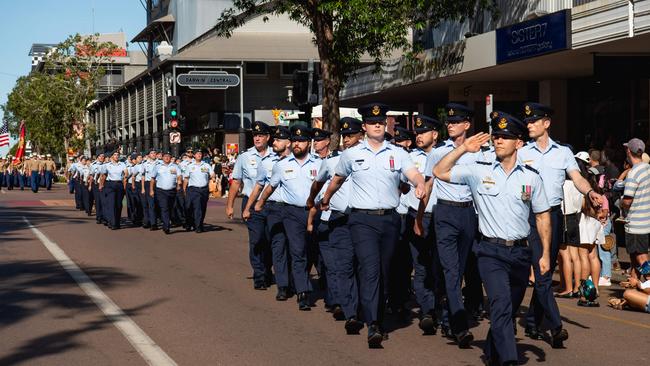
(330, 103)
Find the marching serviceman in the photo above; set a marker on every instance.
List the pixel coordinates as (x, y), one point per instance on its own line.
(50, 168)
(113, 182)
(505, 191)
(374, 168)
(96, 169)
(273, 211)
(87, 196)
(166, 177)
(148, 202)
(197, 178)
(338, 252)
(292, 177)
(244, 173)
(554, 162)
(136, 188)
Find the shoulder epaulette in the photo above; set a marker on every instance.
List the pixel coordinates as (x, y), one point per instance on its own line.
(333, 154)
(483, 162)
(531, 169)
(440, 144)
(485, 148)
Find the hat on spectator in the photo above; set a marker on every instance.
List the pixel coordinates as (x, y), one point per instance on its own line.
(583, 155)
(636, 146)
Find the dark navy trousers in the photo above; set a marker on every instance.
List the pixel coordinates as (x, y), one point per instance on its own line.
(197, 200)
(138, 213)
(504, 271)
(401, 268)
(455, 230)
(77, 193)
(328, 266)
(273, 214)
(88, 198)
(295, 225)
(35, 181)
(256, 244)
(165, 199)
(114, 191)
(543, 304)
(347, 289)
(148, 205)
(427, 278)
(99, 202)
(374, 238)
(49, 176)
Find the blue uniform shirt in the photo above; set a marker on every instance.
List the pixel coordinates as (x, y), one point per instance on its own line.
(552, 165)
(148, 167)
(293, 179)
(503, 201)
(452, 191)
(420, 158)
(374, 176)
(264, 172)
(85, 172)
(166, 175)
(198, 174)
(96, 169)
(137, 171)
(245, 168)
(340, 199)
(113, 171)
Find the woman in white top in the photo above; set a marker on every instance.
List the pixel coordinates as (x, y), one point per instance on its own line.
(570, 266)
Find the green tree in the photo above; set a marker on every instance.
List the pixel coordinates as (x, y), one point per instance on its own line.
(345, 30)
(53, 102)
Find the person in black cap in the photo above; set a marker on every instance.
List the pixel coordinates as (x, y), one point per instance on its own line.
(292, 178)
(374, 168)
(136, 187)
(197, 176)
(505, 191)
(167, 180)
(321, 142)
(273, 211)
(402, 137)
(95, 174)
(554, 162)
(455, 224)
(243, 175)
(148, 202)
(113, 181)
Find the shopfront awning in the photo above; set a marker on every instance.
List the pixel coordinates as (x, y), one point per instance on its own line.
(157, 31)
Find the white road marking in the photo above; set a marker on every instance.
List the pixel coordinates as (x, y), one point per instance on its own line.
(145, 346)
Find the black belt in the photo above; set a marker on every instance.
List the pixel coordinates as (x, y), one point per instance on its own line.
(428, 215)
(197, 187)
(108, 180)
(381, 212)
(556, 208)
(455, 203)
(507, 243)
(290, 205)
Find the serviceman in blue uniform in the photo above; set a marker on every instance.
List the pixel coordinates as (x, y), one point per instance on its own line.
(148, 203)
(166, 178)
(113, 182)
(74, 175)
(86, 186)
(96, 169)
(422, 245)
(374, 168)
(455, 223)
(136, 187)
(273, 211)
(128, 190)
(339, 257)
(505, 191)
(244, 173)
(292, 177)
(181, 204)
(554, 162)
(197, 176)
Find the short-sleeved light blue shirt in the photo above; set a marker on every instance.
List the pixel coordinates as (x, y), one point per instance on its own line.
(503, 201)
(419, 158)
(166, 175)
(340, 199)
(198, 175)
(374, 176)
(264, 172)
(452, 191)
(293, 179)
(96, 169)
(553, 165)
(113, 171)
(148, 167)
(137, 171)
(245, 168)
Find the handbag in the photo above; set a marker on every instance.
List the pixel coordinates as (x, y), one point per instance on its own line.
(609, 243)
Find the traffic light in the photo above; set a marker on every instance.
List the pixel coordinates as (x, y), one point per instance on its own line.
(305, 88)
(173, 111)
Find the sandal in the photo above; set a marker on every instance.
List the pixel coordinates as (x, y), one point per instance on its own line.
(616, 303)
(568, 295)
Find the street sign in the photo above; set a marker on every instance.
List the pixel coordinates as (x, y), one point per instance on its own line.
(208, 80)
(174, 137)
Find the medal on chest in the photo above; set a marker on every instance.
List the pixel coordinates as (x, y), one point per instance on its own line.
(391, 162)
(312, 173)
(526, 192)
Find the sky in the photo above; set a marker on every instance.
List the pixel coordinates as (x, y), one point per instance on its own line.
(51, 21)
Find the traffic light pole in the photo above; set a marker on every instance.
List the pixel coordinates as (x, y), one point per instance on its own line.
(242, 131)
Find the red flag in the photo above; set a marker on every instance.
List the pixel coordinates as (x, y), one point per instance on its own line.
(20, 152)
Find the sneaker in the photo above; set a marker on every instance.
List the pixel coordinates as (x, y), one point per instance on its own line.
(604, 281)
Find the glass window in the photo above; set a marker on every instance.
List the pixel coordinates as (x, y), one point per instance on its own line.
(256, 68)
(289, 67)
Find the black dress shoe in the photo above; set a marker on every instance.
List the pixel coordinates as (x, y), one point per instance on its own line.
(375, 337)
(533, 333)
(464, 339)
(260, 286)
(153, 228)
(558, 336)
(167, 231)
(146, 226)
(303, 301)
(353, 326)
(199, 230)
(446, 332)
(428, 324)
(282, 294)
(337, 313)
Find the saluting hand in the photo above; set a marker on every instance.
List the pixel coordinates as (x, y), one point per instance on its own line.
(474, 143)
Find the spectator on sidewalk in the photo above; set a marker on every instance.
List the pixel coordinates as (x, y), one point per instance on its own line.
(637, 295)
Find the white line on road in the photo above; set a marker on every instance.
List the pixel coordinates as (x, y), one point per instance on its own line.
(145, 346)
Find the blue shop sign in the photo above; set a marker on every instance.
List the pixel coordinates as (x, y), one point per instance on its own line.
(539, 36)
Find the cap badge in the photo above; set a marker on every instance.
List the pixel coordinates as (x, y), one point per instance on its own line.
(316, 133)
(503, 123)
(257, 127)
(451, 112)
(375, 110)
(418, 122)
(346, 125)
(494, 114)
(298, 132)
(396, 132)
(527, 110)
